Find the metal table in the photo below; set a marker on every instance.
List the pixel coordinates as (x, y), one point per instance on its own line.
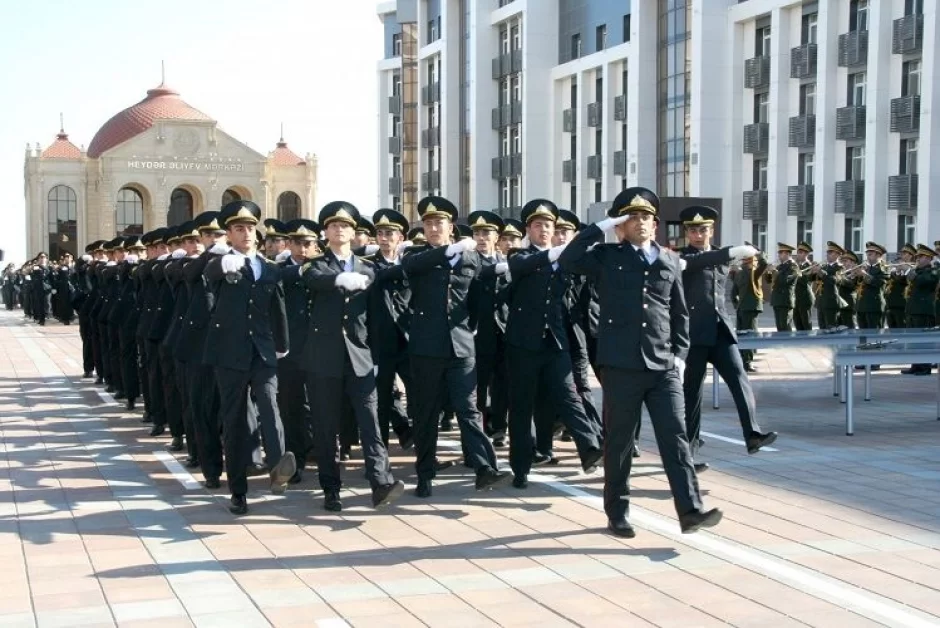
(905, 353)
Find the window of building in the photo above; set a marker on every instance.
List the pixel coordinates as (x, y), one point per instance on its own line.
(759, 235)
(181, 207)
(910, 78)
(396, 45)
(230, 196)
(906, 231)
(857, 89)
(432, 30)
(804, 231)
(515, 192)
(810, 26)
(396, 167)
(396, 126)
(908, 163)
(858, 15)
(62, 212)
(288, 206)
(574, 92)
(515, 34)
(623, 136)
(504, 144)
(598, 190)
(762, 107)
(129, 212)
(505, 87)
(762, 42)
(573, 153)
(675, 235)
(599, 85)
(573, 204)
(808, 99)
(434, 115)
(855, 163)
(598, 144)
(432, 70)
(504, 39)
(760, 175)
(515, 136)
(853, 234)
(807, 163)
(576, 46)
(600, 37)
(516, 88)
(504, 200)
(626, 27)
(913, 7)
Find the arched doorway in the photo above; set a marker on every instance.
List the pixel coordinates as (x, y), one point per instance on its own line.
(288, 207)
(129, 213)
(230, 196)
(62, 211)
(181, 207)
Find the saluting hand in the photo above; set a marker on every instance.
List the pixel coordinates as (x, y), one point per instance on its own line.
(352, 281)
(609, 223)
(232, 263)
(461, 246)
(743, 251)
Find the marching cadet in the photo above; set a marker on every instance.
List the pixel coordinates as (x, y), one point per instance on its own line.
(154, 408)
(538, 348)
(247, 336)
(164, 381)
(488, 312)
(441, 347)
(895, 292)
(848, 289)
(203, 393)
(830, 300)
(338, 358)
(39, 281)
(783, 287)
(872, 277)
(711, 334)
(643, 338)
(388, 320)
(128, 317)
(511, 236)
(365, 235)
(922, 285)
(804, 295)
(9, 283)
(275, 238)
(110, 355)
(86, 324)
(62, 280)
(293, 399)
(416, 236)
(747, 295)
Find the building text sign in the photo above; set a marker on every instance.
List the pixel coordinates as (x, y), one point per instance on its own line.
(185, 166)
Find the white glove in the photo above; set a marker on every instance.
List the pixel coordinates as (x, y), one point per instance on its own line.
(502, 268)
(54, 291)
(404, 246)
(113, 263)
(279, 354)
(461, 246)
(86, 258)
(742, 251)
(130, 258)
(555, 252)
(680, 366)
(232, 263)
(352, 281)
(682, 264)
(220, 249)
(178, 253)
(609, 223)
(283, 255)
(66, 267)
(163, 257)
(371, 249)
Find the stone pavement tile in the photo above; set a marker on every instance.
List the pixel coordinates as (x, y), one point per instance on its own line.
(64, 601)
(148, 609)
(278, 597)
(299, 617)
(162, 622)
(397, 620)
(377, 608)
(52, 585)
(18, 602)
(251, 618)
(89, 616)
(137, 590)
(18, 620)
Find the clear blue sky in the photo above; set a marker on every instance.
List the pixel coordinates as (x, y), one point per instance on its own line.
(250, 64)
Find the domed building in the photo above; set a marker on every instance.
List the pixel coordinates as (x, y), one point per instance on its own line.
(155, 163)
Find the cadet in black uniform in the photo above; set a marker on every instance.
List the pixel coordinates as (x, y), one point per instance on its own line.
(441, 347)
(511, 236)
(711, 335)
(338, 358)
(164, 382)
(643, 336)
(126, 316)
(247, 335)
(275, 238)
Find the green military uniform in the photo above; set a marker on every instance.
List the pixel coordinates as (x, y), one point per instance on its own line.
(747, 296)
(921, 289)
(803, 292)
(895, 293)
(871, 293)
(848, 285)
(783, 289)
(830, 300)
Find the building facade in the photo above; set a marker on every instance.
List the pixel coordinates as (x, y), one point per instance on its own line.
(806, 120)
(155, 163)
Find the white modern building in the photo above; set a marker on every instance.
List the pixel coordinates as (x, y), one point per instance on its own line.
(807, 120)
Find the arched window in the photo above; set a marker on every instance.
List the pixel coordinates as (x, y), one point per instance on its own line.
(288, 207)
(62, 208)
(181, 207)
(129, 213)
(230, 196)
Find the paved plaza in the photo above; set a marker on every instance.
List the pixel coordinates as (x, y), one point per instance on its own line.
(101, 526)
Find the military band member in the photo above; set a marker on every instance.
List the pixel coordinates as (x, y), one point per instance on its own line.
(338, 358)
(747, 295)
(872, 277)
(643, 338)
(804, 292)
(441, 346)
(247, 335)
(922, 286)
(511, 236)
(830, 300)
(783, 287)
(895, 292)
(848, 289)
(275, 238)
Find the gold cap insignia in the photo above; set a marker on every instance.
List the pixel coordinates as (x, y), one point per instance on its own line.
(640, 201)
(342, 213)
(698, 218)
(383, 221)
(431, 208)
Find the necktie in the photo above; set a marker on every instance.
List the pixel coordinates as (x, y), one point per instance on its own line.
(248, 270)
(642, 257)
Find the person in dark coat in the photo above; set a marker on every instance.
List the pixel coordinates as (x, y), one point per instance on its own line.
(804, 293)
(63, 288)
(783, 279)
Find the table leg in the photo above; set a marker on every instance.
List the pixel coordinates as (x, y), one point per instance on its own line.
(836, 374)
(849, 402)
(868, 382)
(844, 373)
(715, 392)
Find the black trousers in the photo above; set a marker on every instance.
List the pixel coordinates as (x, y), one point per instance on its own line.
(726, 358)
(173, 402)
(391, 415)
(234, 387)
(582, 383)
(129, 363)
(801, 318)
(493, 391)
(625, 393)
(545, 373)
(920, 321)
(831, 317)
(103, 358)
(358, 394)
(143, 375)
(294, 406)
(437, 380)
(204, 404)
(747, 319)
(847, 317)
(783, 318)
(871, 320)
(183, 384)
(156, 402)
(114, 352)
(897, 318)
(88, 349)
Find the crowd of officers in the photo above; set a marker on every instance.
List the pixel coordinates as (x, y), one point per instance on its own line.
(41, 289)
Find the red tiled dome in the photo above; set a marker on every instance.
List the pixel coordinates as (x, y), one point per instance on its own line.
(62, 148)
(284, 156)
(161, 103)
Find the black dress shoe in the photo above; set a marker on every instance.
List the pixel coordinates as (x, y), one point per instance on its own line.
(701, 467)
(695, 520)
(239, 505)
(406, 439)
(332, 502)
(191, 463)
(256, 470)
(87, 375)
(590, 460)
(146, 418)
(131, 403)
(423, 489)
(99, 381)
(621, 528)
(297, 478)
(566, 437)
(119, 395)
(157, 430)
(176, 444)
(539, 459)
(520, 481)
(499, 441)
(440, 465)
(109, 388)
(387, 493)
(750, 368)
(344, 453)
(489, 478)
(756, 441)
(213, 483)
(447, 425)
(282, 472)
